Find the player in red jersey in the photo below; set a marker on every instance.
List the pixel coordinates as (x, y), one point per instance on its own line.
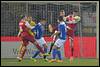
(26, 37)
(71, 21)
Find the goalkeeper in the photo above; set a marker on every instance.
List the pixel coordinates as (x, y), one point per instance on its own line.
(71, 20)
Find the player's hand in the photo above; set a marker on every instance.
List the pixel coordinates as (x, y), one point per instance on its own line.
(69, 28)
(50, 28)
(52, 36)
(19, 34)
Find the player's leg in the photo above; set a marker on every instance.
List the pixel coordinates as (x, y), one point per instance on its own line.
(23, 50)
(43, 42)
(52, 44)
(60, 43)
(45, 49)
(39, 47)
(54, 53)
(71, 46)
(59, 55)
(35, 55)
(56, 50)
(20, 48)
(31, 39)
(71, 35)
(72, 49)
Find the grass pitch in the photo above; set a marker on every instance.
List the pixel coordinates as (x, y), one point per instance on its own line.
(41, 62)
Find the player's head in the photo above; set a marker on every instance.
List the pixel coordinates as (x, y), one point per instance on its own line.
(75, 12)
(62, 13)
(43, 21)
(61, 18)
(29, 18)
(24, 17)
(71, 13)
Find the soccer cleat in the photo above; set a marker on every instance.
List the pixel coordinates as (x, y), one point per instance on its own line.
(52, 60)
(49, 53)
(71, 59)
(33, 59)
(41, 55)
(46, 54)
(46, 59)
(19, 59)
(59, 60)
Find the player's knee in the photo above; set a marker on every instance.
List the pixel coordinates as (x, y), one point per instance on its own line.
(54, 47)
(24, 48)
(45, 45)
(58, 48)
(35, 43)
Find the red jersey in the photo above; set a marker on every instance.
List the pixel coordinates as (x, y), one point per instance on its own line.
(23, 27)
(70, 20)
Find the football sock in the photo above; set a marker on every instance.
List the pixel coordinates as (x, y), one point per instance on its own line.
(37, 53)
(45, 50)
(40, 48)
(51, 47)
(23, 53)
(59, 54)
(54, 53)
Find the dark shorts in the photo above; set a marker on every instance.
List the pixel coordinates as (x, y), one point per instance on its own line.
(70, 33)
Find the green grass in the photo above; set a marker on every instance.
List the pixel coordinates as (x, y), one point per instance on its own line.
(41, 62)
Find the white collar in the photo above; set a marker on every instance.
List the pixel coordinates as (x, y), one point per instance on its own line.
(62, 22)
(39, 23)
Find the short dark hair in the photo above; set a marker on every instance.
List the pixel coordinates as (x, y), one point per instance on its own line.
(75, 11)
(60, 18)
(22, 16)
(71, 12)
(61, 10)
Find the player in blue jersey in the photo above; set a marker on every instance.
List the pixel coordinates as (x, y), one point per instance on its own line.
(39, 29)
(62, 31)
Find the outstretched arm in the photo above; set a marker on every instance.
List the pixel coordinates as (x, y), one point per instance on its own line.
(20, 30)
(28, 25)
(68, 28)
(56, 33)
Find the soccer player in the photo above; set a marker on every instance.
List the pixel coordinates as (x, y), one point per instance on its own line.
(53, 29)
(39, 29)
(32, 23)
(72, 19)
(62, 31)
(62, 13)
(26, 37)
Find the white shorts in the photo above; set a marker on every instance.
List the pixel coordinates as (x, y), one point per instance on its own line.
(59, 42)
(41, 41)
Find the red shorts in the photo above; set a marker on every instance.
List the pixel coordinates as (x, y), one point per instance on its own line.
(70, 33)
(26, 38)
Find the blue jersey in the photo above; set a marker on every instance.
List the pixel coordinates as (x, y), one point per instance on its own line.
(39, 29)
(63, 31)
